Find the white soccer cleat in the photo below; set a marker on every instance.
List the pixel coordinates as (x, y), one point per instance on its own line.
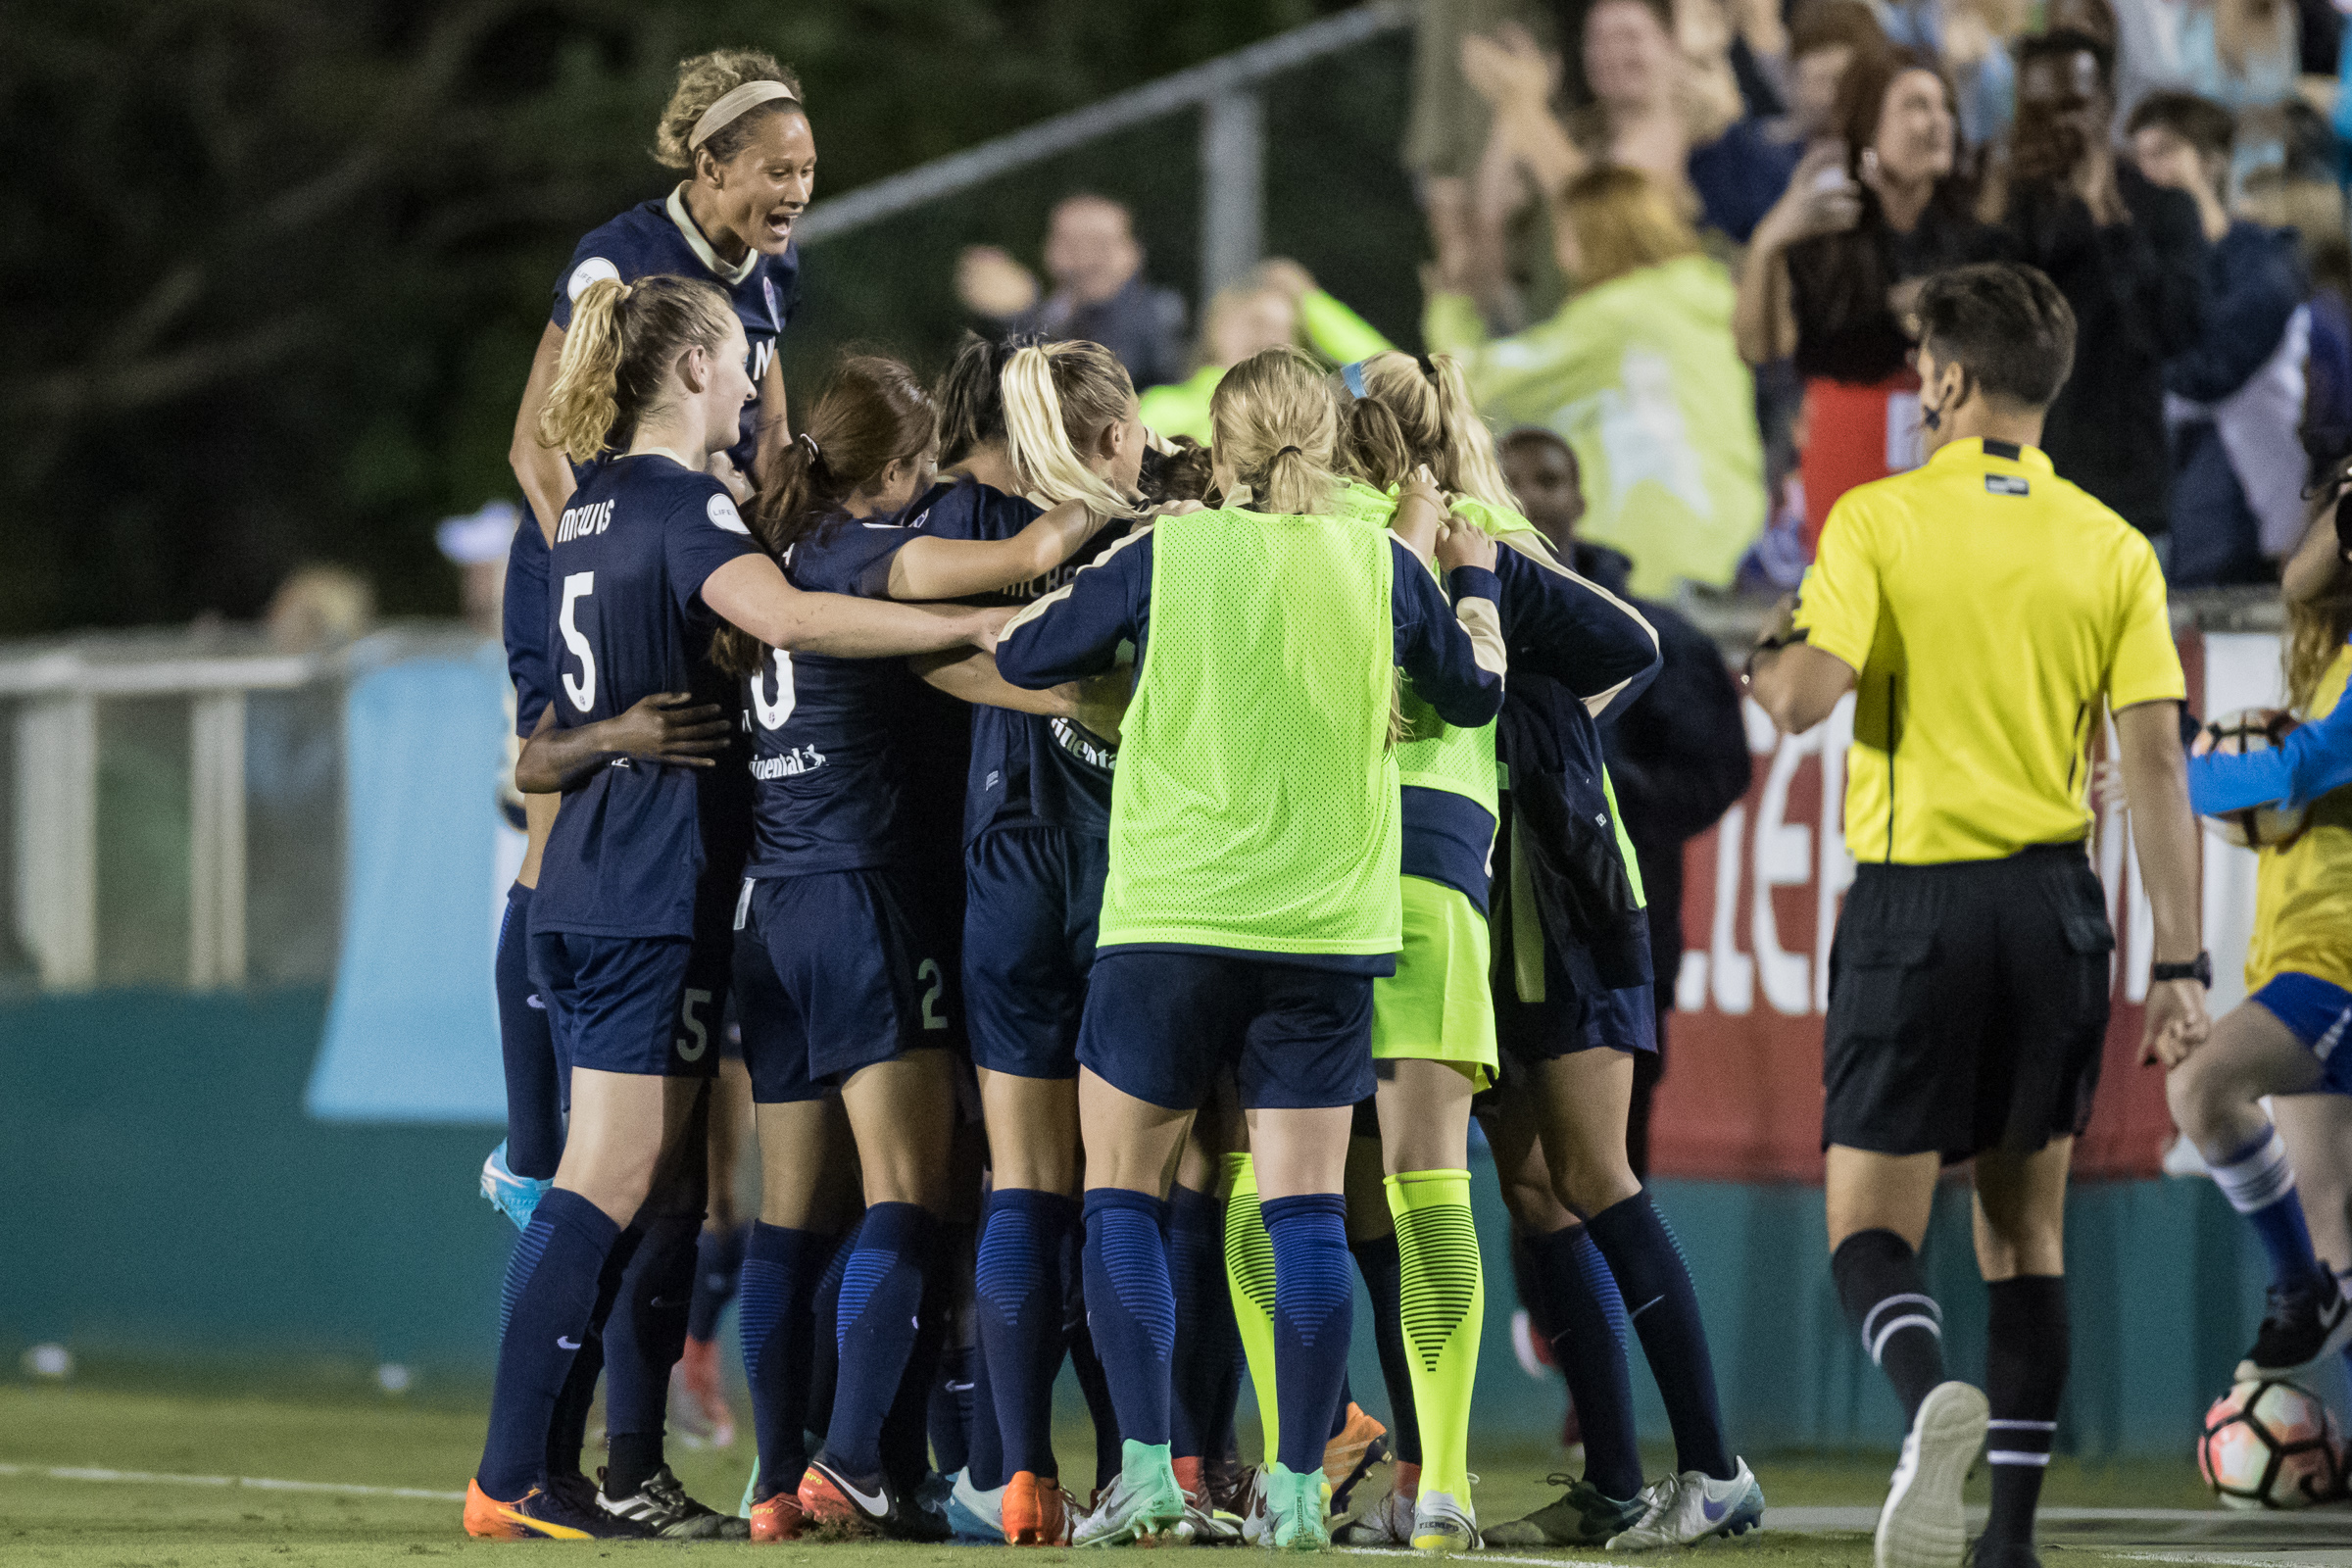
(1922, 1525)
(1443, 1522)
(1387, 1523)
(1688, 1509)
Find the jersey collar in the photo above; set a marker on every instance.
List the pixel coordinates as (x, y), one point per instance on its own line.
(732, 275)
(1976, 450)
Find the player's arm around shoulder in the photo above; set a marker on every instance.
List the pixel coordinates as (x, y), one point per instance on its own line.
(1449, 639)
(1570, 628)
(1076, 631)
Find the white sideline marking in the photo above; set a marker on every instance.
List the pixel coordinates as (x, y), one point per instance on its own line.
(251, 1483)
(1482, 1556)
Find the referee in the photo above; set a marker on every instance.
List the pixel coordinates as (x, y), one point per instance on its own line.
(1981, 608)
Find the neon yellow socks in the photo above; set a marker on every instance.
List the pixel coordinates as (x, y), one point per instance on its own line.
(1444, 1297)
(1249, 1273)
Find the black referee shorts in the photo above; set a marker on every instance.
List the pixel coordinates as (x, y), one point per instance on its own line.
(1968, 1006)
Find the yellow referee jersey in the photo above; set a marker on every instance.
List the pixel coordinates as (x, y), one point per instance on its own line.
(1986, 605)
(2303, 893)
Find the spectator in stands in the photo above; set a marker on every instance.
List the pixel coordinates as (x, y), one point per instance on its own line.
(1825, 40)
(1971, 38)
(319, 607)
(2242, 54)
(2235, 401)
(1678, 754)
(476, 543)
(1638, 373)
(1100, 292)
(1830, 274)
(1654, 109)
(1278, 304)
(2129, 257)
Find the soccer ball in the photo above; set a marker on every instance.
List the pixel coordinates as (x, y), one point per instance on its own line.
(2269, 1445)
(2252, 729)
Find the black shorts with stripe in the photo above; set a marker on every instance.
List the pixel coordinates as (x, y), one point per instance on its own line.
(1968, 1006)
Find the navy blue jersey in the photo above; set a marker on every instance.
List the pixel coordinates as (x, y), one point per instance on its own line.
(656, 237)
(1027, 770)
(625, 619)
(1556, 624)
(525, 608)
(857, 763)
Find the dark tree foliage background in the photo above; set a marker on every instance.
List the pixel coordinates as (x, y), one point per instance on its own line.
(272, 271)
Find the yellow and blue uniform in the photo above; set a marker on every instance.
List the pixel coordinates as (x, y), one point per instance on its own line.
(2299, 965)
(848, 913)
(635, 882)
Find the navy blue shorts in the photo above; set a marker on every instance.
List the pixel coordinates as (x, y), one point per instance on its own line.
(1161, 1025)
(1566, 1022)
(2319, 1015)
(635, 1004)
(839, 971)
(1032, 897)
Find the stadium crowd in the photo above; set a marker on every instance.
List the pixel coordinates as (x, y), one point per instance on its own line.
(1698, 276)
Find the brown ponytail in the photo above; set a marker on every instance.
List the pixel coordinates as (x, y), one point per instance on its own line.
(1417, 411)
(872, 412)
(618, 355)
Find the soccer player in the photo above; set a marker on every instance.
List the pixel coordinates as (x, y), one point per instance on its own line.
(648, 552)
(1433, 1021)
(847, 960)
(1981, 608)
(2282, 1039)
(1252, 892)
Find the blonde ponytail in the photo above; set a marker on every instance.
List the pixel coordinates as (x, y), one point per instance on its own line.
(618, 355)
(1057, 398)
(581, 407)
(1277, 430)
(1419, 410)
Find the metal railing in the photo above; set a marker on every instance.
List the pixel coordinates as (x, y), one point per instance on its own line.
(1226, 92)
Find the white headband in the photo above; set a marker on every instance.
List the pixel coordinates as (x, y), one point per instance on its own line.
(732, 105)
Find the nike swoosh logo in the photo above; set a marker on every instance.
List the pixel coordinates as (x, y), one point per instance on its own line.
(562, 1343)
(1643, 1307)
(1713, 1510)
(877, 1504)
(959, 1387)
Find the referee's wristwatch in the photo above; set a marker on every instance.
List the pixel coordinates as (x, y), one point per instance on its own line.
(2200, 969)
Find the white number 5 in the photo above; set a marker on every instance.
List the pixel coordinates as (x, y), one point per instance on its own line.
(582, 692)
(694, 1026)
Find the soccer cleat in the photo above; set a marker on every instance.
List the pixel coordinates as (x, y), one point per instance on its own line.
(1298, 1510)
(1205, 1524)
(1387, 1523)
(1582, 1516)
(513, 1196)
(2300, 1329)
(778, 1518)
(1361, 1444)
(866, 1505)
(1443, 1522)
(699, 1411)
(1143, 1507)
(1231, 1486)
(1690, 1507)
(663, 1508)
(1033, 1511)
(975, 1518)
(553, 1512)
(1921, 1525)
(1982, 1553)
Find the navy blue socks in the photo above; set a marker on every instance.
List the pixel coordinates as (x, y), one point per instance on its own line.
(2260, 1184)
(526, 1049)
(1587, 1319)
(548, 1303)
(781, 1268)
(1205, 1382)
(1383, 1282)
(1131, 1307)
(874, 1328)
(1664, 1309)
(643, 1339)
(1314, 1314)
(1020, 1288)
(717, 1275)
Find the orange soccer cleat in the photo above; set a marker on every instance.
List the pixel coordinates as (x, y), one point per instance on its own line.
(779, 1518)
(1361, 1444)
(546, 1514)
(1037, 1511)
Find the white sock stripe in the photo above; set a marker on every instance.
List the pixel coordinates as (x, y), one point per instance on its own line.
(2257, 1179)
(2004, 1424)
(1878, 1346)
(1908, 1299)
(2016, 1457)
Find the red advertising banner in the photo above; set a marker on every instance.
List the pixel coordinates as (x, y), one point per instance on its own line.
(1741, 1098)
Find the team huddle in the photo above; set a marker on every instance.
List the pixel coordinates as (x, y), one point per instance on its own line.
(1143, 860)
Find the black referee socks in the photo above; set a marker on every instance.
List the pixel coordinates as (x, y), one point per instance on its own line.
(1886, 1299)
(2025, 1373)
